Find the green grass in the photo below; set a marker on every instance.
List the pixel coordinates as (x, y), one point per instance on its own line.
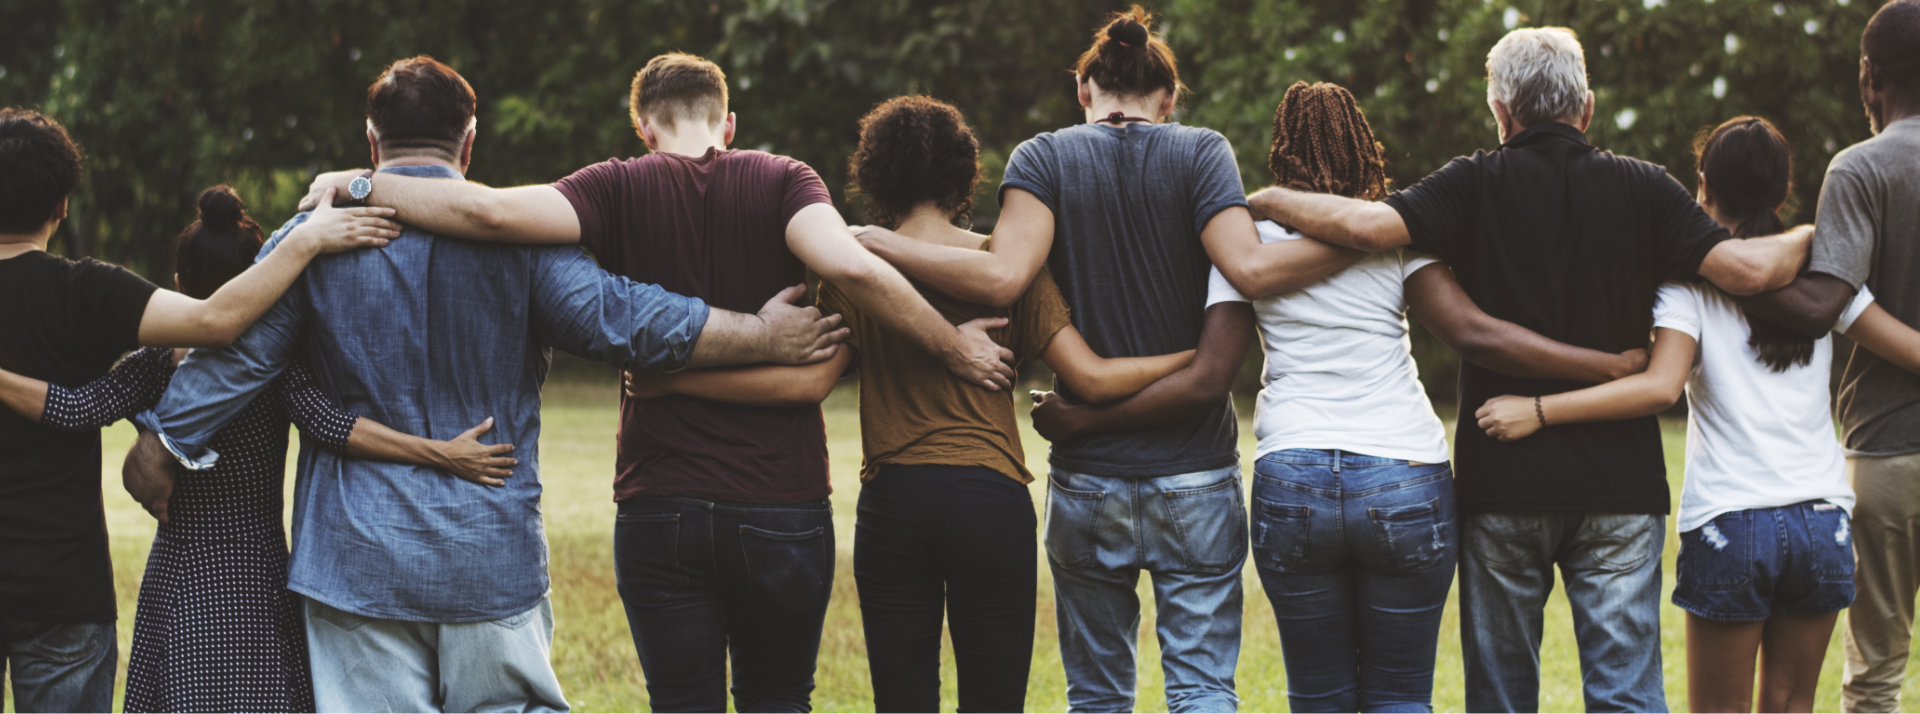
(594, 655)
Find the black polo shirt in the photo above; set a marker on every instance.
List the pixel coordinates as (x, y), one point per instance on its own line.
(1571, 242)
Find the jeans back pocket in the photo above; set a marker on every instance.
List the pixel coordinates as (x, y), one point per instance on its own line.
(646, 557)
(793, 572)
(1210, 523)
(1718, 556)
(1072, 519)
(1413, 538)
(1282, 536)
(1830, 542)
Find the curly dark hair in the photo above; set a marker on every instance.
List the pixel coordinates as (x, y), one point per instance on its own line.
(39, 166)
(1322, 144)
(913, 150)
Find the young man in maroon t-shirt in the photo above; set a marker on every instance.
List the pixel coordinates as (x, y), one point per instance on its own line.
(725, 536)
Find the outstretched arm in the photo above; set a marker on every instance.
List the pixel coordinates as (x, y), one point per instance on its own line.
(1258, 270)
(1436, 299)
(1184, 395)
(537, 215)
(132, 387)
(1509, 418)
(1099, 379)
(1350, 222)
(995, 277)
(757, 385)
(1756, 265)
(819, 237)
(327, 422)
(175, 320)
(1808, 306)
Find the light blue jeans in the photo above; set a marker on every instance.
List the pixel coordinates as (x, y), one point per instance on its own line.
(364, 664)
(58, 668)
(1189, 532)
(1611, 565)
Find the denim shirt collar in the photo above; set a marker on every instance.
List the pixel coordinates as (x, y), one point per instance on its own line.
(427, 171)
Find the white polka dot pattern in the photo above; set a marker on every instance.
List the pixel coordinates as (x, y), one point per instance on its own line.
(216, 628)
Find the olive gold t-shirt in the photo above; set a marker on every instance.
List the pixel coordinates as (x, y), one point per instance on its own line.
(913, 411)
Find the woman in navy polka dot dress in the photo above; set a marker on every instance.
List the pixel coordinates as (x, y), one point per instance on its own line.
(216, 628)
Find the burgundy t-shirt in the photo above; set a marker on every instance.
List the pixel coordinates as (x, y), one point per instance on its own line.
(714, 228)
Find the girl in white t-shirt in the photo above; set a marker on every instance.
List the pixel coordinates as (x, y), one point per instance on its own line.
(1354, 525)
(1766, 552)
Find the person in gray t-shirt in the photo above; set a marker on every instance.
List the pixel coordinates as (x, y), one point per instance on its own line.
(1868, 233)
(1122, 209)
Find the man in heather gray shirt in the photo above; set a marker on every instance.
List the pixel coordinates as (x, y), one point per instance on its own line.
(1868, 233)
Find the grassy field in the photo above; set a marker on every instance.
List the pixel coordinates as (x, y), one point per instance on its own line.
(594, 655)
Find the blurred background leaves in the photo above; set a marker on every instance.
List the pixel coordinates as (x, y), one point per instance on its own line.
(170, 96)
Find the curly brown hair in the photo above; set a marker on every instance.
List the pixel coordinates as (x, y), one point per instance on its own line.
(914, 150)
(1322, 144)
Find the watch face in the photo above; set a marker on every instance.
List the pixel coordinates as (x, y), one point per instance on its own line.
(360, 188)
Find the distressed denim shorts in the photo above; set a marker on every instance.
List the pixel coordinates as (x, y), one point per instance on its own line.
(1745, 565)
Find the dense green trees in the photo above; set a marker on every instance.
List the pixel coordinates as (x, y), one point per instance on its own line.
(169, 96)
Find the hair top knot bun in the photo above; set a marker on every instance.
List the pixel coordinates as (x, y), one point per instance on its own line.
(221, 209)
(1128, 33)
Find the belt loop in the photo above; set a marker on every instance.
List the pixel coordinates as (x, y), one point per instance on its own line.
(1336, 461)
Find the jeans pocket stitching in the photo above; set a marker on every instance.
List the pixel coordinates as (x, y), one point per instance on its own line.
(1081, 554)
(674, 571)
(1637, 534)
(1425, 518)
(1190, 550)
(1270, 555)
(781, 593)
(90, 639)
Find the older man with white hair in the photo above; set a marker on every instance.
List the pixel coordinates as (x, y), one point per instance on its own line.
(1572, 242)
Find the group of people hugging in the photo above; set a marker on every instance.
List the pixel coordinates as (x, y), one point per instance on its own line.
(404, 321)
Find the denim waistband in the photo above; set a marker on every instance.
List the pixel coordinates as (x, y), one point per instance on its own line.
(1331, 457)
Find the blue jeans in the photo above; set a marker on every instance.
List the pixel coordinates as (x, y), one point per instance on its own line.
(1611, 565)
(1189, 532)
(58, 668)
(706, 583)
(1744, 566)
(1357, 555)
(366, 664)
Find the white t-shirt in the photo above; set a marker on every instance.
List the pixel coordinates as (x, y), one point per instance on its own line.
(1755, 438)
(1340, 371)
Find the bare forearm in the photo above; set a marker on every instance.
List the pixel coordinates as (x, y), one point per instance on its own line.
(1519, 352)
(1757, 265)
(1189, 393)
(1635, 396)
(976, 276)
(759, 385)
(730, 338)
(887, 295)
(375, 441)
(26, 396)
(1808, 306)
(1348, 222)
(1283, 267)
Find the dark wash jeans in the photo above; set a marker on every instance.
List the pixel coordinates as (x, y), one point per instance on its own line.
(1357, 555)
(58, 668)
(705, 580)
(1610, 563)
(956, 541)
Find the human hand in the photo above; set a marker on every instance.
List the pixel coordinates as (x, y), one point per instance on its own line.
(148, 475)
(332, 181)
(871, 237)
(1054, 417)
(1509, 418)
(1629, 363)
(796, 334)
(650, 385)
(337, 230)
(976, 358)
(472, 461)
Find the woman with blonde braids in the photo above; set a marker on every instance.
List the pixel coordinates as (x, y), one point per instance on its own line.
(1354, 534)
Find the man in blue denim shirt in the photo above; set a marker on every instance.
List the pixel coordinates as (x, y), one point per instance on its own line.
(426, 592)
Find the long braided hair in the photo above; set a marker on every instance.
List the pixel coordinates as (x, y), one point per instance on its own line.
(1322, 144)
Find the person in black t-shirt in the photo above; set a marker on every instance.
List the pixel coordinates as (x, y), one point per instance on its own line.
(1572, 242)
(66, 322)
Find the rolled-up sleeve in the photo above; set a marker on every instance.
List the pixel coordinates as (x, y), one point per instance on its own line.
(589, 312)
(211, 387)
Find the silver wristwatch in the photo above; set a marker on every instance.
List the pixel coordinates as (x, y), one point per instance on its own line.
(361, 187)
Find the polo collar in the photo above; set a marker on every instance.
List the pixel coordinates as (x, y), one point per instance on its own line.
(424, 171)
(1547, 131)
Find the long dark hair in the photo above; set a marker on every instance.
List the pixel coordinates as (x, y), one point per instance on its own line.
(219, 246)
(1128, 58)
(1748, 166)
(1322, 144)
